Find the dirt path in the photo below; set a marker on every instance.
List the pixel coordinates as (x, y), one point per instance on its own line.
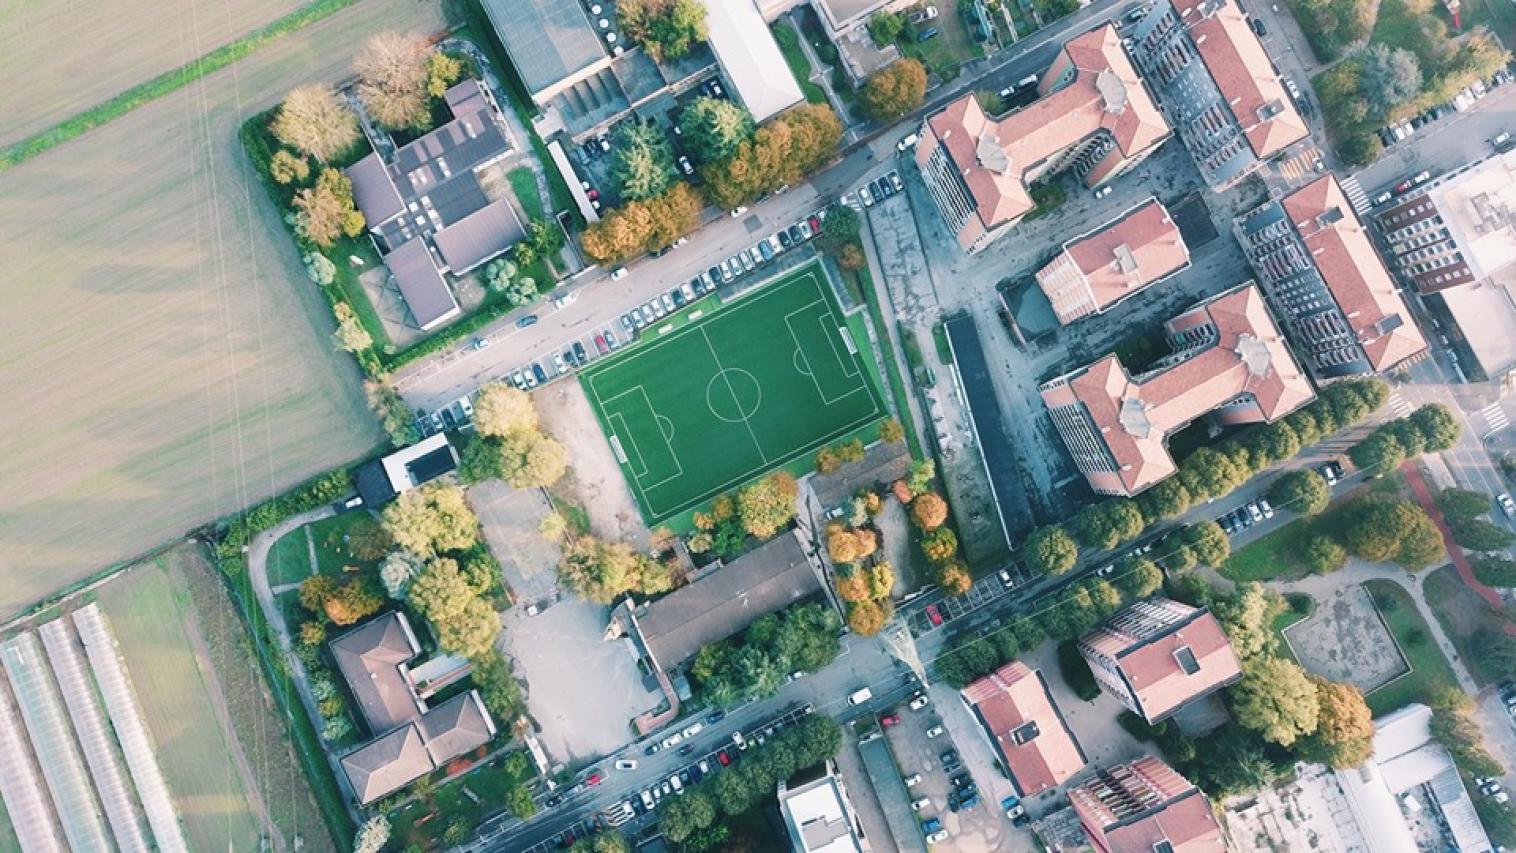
(223, 716)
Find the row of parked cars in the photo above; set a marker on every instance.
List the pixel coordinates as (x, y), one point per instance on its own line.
(875, 191)
(1460, 102)
(1254, 511)
(769, 248)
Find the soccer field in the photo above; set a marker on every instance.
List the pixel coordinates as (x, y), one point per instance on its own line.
(753, 386)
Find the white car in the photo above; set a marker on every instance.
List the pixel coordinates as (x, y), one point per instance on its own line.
(939, 835)
(934, 731)
(618, 273)
(678, 785)
(908, 143)
(866, 196)
(693, 729)
(626, 764)
(673, 740)
(739, 211)
(858, 697)
(1506, 505)
(912, 780)
(919, 701)
(923, 803)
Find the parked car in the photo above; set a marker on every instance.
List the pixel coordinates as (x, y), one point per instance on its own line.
(889, 720)
(1507, 506)
(785, 240)
(933, 614)
(921, 16)
(521, 323)
(928, 33)
(858, 697)
(723, 757)
(748, 264)
(579, 353)
(950, 760)
(618, 273)
(937, 837)
(918, 701)
(678, 297)
(1265, 507)
(1005, 578)
(866, 196)
(1254, 511)
(538, 372)
(1259, 28)
(626, 764)
(673, 740)
(669, 305)
(593, 780)
(766, 250)
(934, 731)
(908, 142)
(923, 803)
(601, 345)
(775, 244)
(912, 780)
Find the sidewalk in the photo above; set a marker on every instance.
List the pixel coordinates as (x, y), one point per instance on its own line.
(1460, 560)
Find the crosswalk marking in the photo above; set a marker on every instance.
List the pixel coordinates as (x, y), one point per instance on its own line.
(1398, 405)
(1494, 415)
(1356, 196)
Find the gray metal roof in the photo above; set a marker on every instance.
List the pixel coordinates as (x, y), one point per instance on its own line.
(479, 236)
(547, 40)
(370, 657)
(456, 726)
(421, 283)
(723, 602)
(387, 764)
(374, 191)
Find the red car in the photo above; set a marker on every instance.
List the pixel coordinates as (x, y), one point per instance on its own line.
(889, 720)
(595, 779)
(723, 758)
(934, 614)
(815, 222)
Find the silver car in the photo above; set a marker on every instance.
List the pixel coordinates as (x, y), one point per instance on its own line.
(747, 261)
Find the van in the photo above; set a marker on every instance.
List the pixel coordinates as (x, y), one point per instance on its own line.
(1028, 80)
(860, 696)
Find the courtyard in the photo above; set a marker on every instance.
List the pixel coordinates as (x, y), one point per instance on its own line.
(1346, 640)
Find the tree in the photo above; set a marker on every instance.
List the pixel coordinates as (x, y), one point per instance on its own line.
(1302, 490)
(954, 578)
(1105, 525)
(851, 258)
(1381, 452)
(315, 591)
(500, 410)
(1345, 729)
(666, 29)
(890, 430)
(1376, 527)
(929, 511)
(1462, 503)
(1387, 77)
(642, 162)
(1209, 474)
(1208, 542)
(1248, 616)
(1277, 699)
(314, 120)
(782, 151)
(1322, 554)
(466, 625)
(393, 413)
(1137, 577)
(840, 228)
(866, 618)
(638, 227)
(1437, 426)
(894, 91)
(1453, 725)
(519, 802)
(354, 600)
(674, 214)
(1476, 534)
(1495, 571)
(603, 571)
(766, 506)
(393, 76)
(325, 212)
(1167, 499)
(372, 835)
(312, 633)
(546, 237)
(1420, 542)
(684, 816)
(350, 334)
(524, 458)
(939, 545)
(397, 571)
(319, 268)
(442, 71)
(713, 128)
(433, 518)
(885, 28)
(286, 168)
(1050, 550)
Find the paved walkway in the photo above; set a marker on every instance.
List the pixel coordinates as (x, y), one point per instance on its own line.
(1423, 495)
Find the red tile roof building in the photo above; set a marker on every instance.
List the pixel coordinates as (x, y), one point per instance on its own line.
(1217, 86)
(1094, 118)
(1322, 275)
(1094, 272)
(1157, 655)
(1228, 359)
(1146, 807)
(1028, 732)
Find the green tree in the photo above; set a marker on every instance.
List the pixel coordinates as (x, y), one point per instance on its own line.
(1049, 550)
(1137, 577)
(684, 816)
(666, 29)
(602, 571)
(1345, 731)
(1462, 503)
(500, 410)
(1208, 473)
(315, 120)
(1420, 543)
(1437, 425)
(1208, 542)
(1322, 554)
(393, 74)
(1167, 499)
(519, 802)
(1248, 615)
(431, 519)
(894, 91)
(1380, 453)
(840, 229)
(885, 27)
(465, 624)
(325, 212)
(642, 162)
(1302, 490)
(1476, 534)
(1495, 571)
(1277, 699)
(713, 128)
(1387, 76)
(766, 506)
(1453, 725)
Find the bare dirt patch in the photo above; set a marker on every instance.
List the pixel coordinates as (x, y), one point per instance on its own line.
(594, 481)
(165, 360)
(1344, 640)
(59, 58)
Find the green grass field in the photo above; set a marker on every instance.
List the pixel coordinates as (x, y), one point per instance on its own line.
(753, 386)
(1430, 670)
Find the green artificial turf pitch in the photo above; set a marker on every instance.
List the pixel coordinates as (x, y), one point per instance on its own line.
(748, 388)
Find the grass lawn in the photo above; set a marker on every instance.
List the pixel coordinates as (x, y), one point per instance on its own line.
(863, 290)
(289, 560)
(761, 382)
(794, 57)
(524, 185)
(333, 554)
(1269, 557)
(1429, 668)
(489, 782)
(1463, 616)
(1301, 607)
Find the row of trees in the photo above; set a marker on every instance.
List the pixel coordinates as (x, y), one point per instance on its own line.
(759, 509)
(1465, 513)
(666, 29)
(892, 92)
(784, 150)
(750, 781)
(802, 638)
(644, 226)
(1431, 428)
(1207, 474)
(508, 444)
(605, 571)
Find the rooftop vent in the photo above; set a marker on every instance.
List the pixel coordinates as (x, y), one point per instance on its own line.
(1186, 659)
(1112, 91)
(1270, 109)
(1125, 260)
(1025, 733)
(1329, 217)
(1134, 417)
(991, 156)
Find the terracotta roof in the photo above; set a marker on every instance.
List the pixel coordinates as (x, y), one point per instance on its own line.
(1136, 415)
(1150, 661)
(993, 157)
(1133, 807)
(1237, 62)
(1351, 268)
(1017, 712)
(1125, 255)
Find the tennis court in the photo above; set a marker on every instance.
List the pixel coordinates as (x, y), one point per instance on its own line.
(753, 386)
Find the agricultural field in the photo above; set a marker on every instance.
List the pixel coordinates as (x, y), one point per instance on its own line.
(58, 59)
(752, 386)
(222, 748)
(167, 360)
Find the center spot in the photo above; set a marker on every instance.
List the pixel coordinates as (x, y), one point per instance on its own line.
(733, 395)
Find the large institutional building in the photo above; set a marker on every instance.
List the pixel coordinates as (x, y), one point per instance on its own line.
(1093, 118)
(1146, 806)
(1216, 86)
(1094, 272)
(1227, 359)
(1158, 655)
(1318, 267)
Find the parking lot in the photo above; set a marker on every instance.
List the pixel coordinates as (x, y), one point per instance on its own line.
(939, 782)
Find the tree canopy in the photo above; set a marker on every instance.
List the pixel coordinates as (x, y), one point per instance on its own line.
(767, 505)
(501, 409)
(1302, 490)
(1388, 77)
(666, 29)
(603, 571)
(642, 161)
(393, 77)
(432, 519)
(712, 128)
(1049, 550)
(315, 120)
(1345, 729)
(1277, 699)
(786, 148)
(894, 91)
